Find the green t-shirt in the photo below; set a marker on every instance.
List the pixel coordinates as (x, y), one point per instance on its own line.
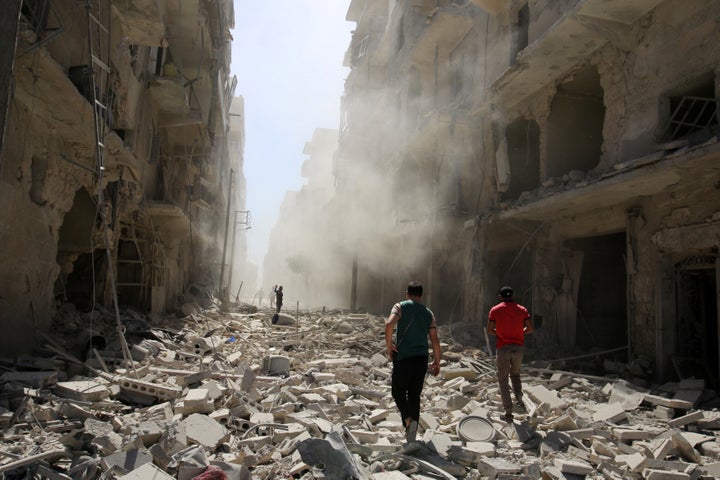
(412, 329)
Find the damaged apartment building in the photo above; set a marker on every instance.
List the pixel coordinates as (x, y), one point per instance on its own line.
(568, 148)
(120, 159)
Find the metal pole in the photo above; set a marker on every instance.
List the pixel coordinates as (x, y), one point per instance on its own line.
(353, 288)
(227, 221)
(232, 253)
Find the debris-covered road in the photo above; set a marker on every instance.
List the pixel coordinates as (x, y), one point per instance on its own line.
(215, 394)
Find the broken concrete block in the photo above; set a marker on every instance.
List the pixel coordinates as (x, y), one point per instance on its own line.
(574, 467)
(630, 398)
(581, 434)
(428, 421)
(197, 400)
(629, 434)
(148, 431)
(202, 345)
(559, 382)
(85, 390)
(686, 419)
(203, 430)
(147, 389)
(127, 461)
(365, 436)
(492, 467)
(650, 474)
(635, 462)
(613, 412)
(668, 402)
(103, 436)
(193, 378)
(542, 395)
(685, 449)
(146, 472)
(563, 423)
(662, 448)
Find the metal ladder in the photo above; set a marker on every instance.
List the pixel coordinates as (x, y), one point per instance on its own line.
(99, 16)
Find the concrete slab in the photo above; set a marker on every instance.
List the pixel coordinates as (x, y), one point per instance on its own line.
(147, 472)
(613, 412)
(85, 390)
(203, 430)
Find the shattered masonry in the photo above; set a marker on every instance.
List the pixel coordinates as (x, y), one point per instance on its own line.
(230, 395)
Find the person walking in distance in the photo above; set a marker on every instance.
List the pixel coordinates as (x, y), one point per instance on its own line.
(278, 298)
(409, 354)
(509, 322)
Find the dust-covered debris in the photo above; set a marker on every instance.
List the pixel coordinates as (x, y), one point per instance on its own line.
(230, 394)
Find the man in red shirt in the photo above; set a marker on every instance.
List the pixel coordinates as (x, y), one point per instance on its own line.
(509, 322)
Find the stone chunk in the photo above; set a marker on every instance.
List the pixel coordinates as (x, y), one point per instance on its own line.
(542, 395)
(127, 461)
(612, 412)
(574, 467)
(668, 402)
(85, 390)
(492, 467)
(203, 430)
(650, 474)
(686, 419)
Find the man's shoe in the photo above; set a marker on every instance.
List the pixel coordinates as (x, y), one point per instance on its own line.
(520, 407)
(508, 417)
(411, 432)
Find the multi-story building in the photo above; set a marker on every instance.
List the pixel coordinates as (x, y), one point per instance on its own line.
(567, 148)
(115, 169)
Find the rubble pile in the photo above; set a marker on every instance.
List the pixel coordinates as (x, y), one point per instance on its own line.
(239, 394)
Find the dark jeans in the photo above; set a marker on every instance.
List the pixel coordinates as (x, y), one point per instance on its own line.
(408, 378)
(509, 360)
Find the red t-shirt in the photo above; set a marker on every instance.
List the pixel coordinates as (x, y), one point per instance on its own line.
(509, 318)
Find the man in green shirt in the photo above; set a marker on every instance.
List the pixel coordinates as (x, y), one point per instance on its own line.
(409, 354)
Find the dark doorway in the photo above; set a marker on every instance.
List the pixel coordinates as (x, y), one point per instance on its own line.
(602, 296)
(697, 321)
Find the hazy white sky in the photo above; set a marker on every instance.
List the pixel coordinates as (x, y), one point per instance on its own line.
(287, 55)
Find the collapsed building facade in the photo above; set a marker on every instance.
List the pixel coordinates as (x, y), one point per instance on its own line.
(119, 163)
(567, 148)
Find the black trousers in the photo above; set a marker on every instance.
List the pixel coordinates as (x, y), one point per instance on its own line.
(408, 378)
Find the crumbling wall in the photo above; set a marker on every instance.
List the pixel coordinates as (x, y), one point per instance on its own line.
(32, 208)
(654, 60)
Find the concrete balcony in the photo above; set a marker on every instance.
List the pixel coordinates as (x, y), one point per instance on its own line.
(567, 44)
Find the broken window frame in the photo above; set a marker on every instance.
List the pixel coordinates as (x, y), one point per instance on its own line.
(679, 128)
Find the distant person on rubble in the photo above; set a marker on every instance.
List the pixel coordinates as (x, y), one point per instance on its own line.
(509, 322)
(278, 298)
(260, 296)
(409, 354)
